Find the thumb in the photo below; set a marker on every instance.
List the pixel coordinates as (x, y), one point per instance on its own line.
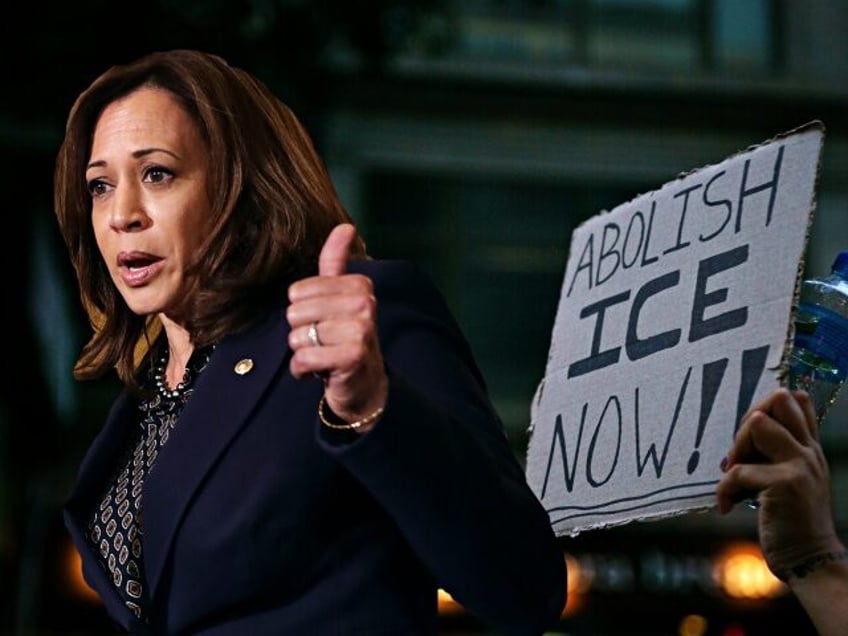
(336, 250)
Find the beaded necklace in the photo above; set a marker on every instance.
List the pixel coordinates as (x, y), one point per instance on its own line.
(188, 378)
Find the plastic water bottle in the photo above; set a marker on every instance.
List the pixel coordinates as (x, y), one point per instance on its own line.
(818, 362)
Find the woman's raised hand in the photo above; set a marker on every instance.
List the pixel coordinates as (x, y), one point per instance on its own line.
(333, 319)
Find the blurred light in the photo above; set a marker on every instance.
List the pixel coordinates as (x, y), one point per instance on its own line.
(74, 583)
(741, 572)
(693, 625)
(733, 630)
(447, 605)
(577, 587)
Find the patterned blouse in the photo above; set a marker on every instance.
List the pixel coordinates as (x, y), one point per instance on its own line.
(116, 526)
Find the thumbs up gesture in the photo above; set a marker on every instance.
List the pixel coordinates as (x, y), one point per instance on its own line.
(334, 332)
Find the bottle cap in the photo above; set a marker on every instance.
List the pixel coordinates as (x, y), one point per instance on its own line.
(840, 264)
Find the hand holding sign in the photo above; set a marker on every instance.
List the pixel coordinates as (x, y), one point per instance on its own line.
(778, 453)
(334, 332)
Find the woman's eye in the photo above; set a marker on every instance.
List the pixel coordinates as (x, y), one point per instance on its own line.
(96, 187)
(157, 174)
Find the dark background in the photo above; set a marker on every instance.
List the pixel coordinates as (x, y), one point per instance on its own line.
(372, 81)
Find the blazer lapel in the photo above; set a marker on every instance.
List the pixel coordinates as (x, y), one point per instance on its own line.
(238, 372)
(102, 456)
(95, 470)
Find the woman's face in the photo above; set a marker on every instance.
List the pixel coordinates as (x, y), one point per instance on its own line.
(147, 179)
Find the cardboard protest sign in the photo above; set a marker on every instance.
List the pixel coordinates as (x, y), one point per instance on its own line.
(674, 316)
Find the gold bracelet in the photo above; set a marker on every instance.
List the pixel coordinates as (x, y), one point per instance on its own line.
(365, 421)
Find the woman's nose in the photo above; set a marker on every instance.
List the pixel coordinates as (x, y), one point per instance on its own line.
(128, 213)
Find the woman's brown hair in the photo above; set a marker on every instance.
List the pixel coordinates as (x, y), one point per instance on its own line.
(272, 204)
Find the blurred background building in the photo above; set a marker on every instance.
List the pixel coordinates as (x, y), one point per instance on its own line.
(471, 137)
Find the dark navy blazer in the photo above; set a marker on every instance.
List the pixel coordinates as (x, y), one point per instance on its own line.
(259, 520)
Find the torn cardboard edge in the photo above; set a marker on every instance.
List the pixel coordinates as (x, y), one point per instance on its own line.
(783, 370)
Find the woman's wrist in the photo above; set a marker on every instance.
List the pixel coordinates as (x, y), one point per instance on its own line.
(809, 566)
(331, 420)
(820, 584)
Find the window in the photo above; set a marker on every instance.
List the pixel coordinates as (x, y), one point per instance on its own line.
(723, 36)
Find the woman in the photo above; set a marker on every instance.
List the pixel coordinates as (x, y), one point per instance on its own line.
(777, 454)
(305, 444)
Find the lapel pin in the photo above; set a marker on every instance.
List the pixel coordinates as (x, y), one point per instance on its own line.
(243, 366)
